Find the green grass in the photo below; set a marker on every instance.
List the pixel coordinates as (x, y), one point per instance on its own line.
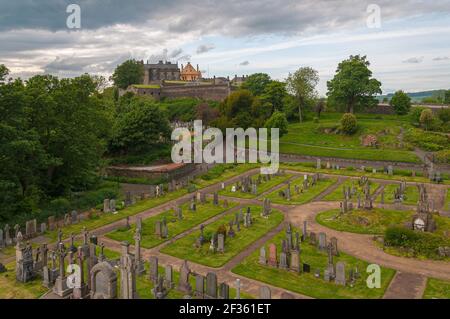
(175, 227)
(350, 171)
(437, 289)
(306, 283)
(306, 196)
(309, 138)
(147, 86)
(374, 221)
(263, 187)
(184, 247)
(338, 193)
(411, 195)
(12, 289)
(447, 201)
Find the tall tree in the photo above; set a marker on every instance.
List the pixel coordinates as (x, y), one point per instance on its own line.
(256, 83)
(274, 93)
(127, 73)
(353, 85)
(302, 84)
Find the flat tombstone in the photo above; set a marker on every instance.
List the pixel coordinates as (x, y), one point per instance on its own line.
(340, 274)
(211, 285)
(273, 255)
(265, 293)
(199, 286)
(153, 261)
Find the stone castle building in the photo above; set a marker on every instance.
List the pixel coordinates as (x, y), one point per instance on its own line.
(157, 72)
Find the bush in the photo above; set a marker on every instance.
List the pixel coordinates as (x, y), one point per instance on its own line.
(414, 115)
(60, 206)
(348, 123)
(401, 103)
(444, 114)
(443, 156)
(278, 120)
(426, 119)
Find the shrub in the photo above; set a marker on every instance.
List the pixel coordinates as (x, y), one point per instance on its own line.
(414, 115)
(348, 123)
(444, 114)
(401, 103)
(443, 156)
(426, 119)
(60, 206)
(278, 120)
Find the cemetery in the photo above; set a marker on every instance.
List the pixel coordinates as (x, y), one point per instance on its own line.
(407, 194)
(355, 188)
(253, 186)
(218, 242)
(437, 289)
(315, 268)
(301, 190)
(176, 221)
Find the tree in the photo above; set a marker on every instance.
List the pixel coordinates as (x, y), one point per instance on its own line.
(447, 97)
(127, 73)
(278, 120)
(256, 83)
(348, 123)
(274, 93)
(4, 71)
(353, 86)
(426, 119)
(401, 103)
(302, 84)
(320, 107)
(206, 113)
(140, 128)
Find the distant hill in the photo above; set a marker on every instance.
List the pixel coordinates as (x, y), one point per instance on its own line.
(416, 96)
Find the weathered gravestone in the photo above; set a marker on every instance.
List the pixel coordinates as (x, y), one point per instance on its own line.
(183, 284)
(221, 243)
(262, 256)
(295, 261)
(30, 228)
(106, 206)
(168, 277)
(103, 281)
(153, 261)
(283, 260)
(322, 241)
(340, 274)
(211, 286)
(199, 286)
(224, 291)
(273, 255)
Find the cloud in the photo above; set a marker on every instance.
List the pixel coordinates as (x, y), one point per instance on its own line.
(244, 63)
(414, 60)
(441, 58)
(205, 48)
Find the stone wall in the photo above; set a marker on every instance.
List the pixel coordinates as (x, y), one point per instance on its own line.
(216, 92)
(150, 174)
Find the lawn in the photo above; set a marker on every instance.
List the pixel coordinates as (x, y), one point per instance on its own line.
(338, 193)
(437, 289)
(306, 196)
(307, 283)
(350, 171)
(263, 187)
(411, 195)
(175, 226)
(12, 289)
(184, 247)
(357, 221)
(447, 201)
(314, 139)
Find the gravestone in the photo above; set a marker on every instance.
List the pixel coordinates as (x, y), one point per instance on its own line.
(211, 286)
(318, 164)
(103, 281)
(322, 241)
(199, 286)
(340, 274)
(51, 223)
(221, 243)
(30, 228)
(273, 255)
(74, 217)
(306, 268)
(106, 206)
(216, 199)
(153, 261)
(283, 260)
(112, 205)
(265, 293)
(168, 277)
(295, 261)
(238, 289)
(43, 228)
(158, 228)
(183, 283)
(224, 291)
(262, 256)
(334, 246)
(2, 240)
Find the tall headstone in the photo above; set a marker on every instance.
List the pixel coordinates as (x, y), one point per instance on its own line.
(340, 274)
(322, 241)
(273, 255)
(262, 256)
(153, 261)
(199, 286)
(224, 291)
(211, 285)
(168, 277)
(295, 261)
(221, 243)
(106, 206)
(265, 293)
(183, 284)
(127, 273)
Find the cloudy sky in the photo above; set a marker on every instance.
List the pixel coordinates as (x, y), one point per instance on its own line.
(409, 50)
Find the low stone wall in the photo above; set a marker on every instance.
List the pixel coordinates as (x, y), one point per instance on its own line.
(217, 92)
(150, 174)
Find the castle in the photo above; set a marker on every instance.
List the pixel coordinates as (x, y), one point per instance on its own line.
(167, 80)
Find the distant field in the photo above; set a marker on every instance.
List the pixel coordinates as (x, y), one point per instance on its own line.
(310, 138)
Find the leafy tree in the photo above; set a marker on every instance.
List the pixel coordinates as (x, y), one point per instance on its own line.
(278, 120)
(444, 114)
(4, 71)
(127, 73)
(401, 103)
(348, 123)
(353, 86)
(256, 83)
(274, 93)
(302, 84)
(426, 119)
(139, 129)
(447, 97)
(206, 113)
